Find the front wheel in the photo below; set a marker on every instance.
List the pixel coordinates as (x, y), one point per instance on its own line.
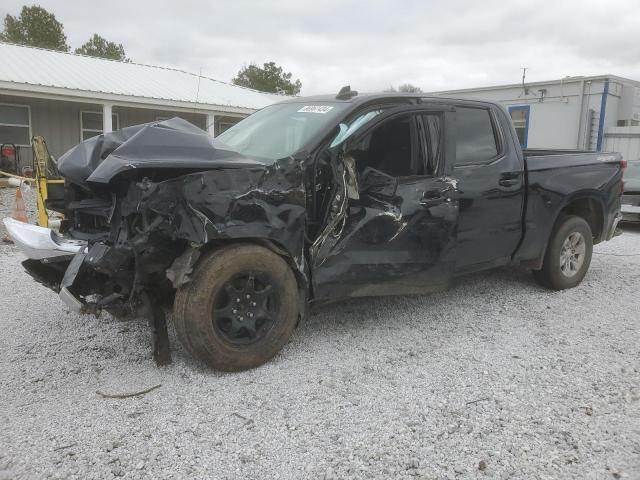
(240, 308)
(568, 254)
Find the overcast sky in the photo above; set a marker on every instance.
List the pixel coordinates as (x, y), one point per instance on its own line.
(371, 44)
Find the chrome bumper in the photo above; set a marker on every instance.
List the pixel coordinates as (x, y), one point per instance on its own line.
(39, 243)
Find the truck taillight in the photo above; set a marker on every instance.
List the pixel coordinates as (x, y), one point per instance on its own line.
(623, 167)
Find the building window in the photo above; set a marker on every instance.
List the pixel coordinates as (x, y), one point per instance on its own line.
(91, 124)
(520, 119)
(224, 126)
(15, 124)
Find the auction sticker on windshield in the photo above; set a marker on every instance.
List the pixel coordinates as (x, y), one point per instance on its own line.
(316, 109)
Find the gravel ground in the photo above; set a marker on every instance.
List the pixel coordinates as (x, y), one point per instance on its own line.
(496, 378)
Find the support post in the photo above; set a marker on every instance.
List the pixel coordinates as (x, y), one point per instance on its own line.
(211, 124)
(603, 111)
(107, 122)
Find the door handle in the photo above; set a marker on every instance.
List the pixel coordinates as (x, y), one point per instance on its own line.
(509, 179)
(430, 199)
(430, 202)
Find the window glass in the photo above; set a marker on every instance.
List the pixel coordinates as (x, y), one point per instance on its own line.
(87, 134)
(280, 130)
(14, 115)
(346, 130)
(224, 126)
(434, 139)
(91, 124)
(14, 124)
(475, 139)
(91, 121)
(15, 135)
(387, 148)
(520, 119)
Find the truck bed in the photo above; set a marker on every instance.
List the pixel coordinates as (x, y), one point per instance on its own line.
(542, 159)
(557, 178)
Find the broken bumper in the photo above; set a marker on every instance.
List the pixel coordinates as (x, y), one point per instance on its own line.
(39, 243)
(43, 244)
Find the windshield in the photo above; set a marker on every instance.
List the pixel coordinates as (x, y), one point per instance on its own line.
(346, 130)
(280, 130)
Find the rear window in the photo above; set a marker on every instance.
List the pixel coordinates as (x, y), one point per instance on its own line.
(475, 138)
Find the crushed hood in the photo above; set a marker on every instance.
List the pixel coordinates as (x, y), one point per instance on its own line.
(170, 144)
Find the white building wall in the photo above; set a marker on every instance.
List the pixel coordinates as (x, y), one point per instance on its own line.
(562, 114)
(625, 140)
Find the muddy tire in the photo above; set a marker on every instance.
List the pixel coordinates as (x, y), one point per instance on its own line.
(568, 254)
(240, 308)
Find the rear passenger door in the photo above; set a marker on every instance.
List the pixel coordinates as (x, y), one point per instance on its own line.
(491, 188)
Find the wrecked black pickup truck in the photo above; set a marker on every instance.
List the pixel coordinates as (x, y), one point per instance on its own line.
(310, 200)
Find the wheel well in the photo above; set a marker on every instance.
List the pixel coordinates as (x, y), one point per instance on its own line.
(301, 278)
(590, 210)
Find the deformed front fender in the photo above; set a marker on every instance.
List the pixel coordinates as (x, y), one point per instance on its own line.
(264, 202)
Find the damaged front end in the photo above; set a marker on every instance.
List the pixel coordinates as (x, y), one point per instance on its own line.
(143, 203)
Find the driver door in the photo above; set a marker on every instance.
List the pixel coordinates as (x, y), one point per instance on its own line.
(398, 234)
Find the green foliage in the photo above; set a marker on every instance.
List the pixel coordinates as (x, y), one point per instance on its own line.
(97, 46)
(269, 78)
(35, 27)
(404, 88)
(408, 88)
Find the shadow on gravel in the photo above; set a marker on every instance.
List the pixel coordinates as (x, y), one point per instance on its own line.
(518, 278)
(628, 227)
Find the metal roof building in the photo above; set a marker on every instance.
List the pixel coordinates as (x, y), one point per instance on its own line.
(67, 97)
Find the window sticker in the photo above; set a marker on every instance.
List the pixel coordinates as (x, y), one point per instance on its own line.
(315, 109)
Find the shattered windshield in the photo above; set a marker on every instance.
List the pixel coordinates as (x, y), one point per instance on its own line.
(280, 130)
(348, 129)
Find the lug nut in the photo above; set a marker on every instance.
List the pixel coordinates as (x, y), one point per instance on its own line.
(250, 315)
(241, 318)
(253, 304)
(235, 311)
(237, 300)
(248, 296)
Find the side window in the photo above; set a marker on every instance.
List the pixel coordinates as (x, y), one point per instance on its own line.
(388, 148)
(91, 124)
(434, 141)
(475, 137)
(15, 124)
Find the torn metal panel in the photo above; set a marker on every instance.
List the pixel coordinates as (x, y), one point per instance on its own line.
(171, 191)
(179, 271)
(172, 144)
(266, 203)
(398, 237)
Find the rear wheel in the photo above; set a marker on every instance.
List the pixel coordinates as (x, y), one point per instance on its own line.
(568, 254)
(240, 308)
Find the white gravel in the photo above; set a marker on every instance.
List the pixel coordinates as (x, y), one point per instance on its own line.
(496, 378)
